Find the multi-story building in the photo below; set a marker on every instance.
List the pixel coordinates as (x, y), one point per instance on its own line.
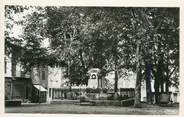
(49, 80)
(18, 85)
(41, 84)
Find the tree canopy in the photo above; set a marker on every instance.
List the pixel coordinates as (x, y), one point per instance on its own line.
(109, 38)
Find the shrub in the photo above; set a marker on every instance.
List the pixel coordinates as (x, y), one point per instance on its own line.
(127, 102)
(123, 97)
(90, 90)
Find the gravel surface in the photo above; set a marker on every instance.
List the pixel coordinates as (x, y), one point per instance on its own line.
(77, 109)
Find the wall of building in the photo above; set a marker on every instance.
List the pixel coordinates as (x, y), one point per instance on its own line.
(8, 88)
(130, 80)
(127, 82)
(8, 72)
(17, 86)
(55, 76)
(55, 81)
(39, 75)
(50, 78)
(19, 68)
(21, 89)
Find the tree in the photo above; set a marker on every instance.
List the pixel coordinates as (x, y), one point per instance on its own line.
(157, 30)
(13, 44)
(26, 47)
(166, 40)
(143, 40)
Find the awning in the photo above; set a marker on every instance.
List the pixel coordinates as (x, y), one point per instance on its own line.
(40, 88)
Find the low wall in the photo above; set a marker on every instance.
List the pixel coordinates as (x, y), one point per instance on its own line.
(64, 101)
(128, 102)
(12, 103)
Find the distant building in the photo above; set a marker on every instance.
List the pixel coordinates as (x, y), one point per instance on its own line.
(41, 84)
(49, 79)
(128, 83)
(18, 85)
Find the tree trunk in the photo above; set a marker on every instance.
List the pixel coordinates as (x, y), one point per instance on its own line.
(13, 64)
(162, 84)
(148, 83)
(158, 81)
(115, 64)
(167, 78)
(116, 79)
(160, 72)
(156, 86)
(69, 76)
(137, 100)
(83, 68)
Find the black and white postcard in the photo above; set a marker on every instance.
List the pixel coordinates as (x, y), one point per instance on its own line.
(92, 59)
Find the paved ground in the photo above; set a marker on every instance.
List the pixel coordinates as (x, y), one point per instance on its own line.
(77, 109)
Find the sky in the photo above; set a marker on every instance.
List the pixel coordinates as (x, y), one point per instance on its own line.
(17, 30)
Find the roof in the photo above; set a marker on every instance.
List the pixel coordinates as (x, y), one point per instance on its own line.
(40, 88)
(94, 70)
(19, 78)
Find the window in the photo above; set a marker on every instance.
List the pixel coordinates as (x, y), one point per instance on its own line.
(49, 92)
(5, 65)
(43, 75)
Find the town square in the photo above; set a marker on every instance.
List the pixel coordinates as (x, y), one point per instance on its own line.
(91, 60)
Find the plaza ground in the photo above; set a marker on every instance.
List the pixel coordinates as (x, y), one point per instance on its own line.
(78, 109)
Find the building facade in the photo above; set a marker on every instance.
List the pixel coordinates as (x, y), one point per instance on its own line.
(45, 83)
(50, 79)
(18, 85)
(129, 82)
